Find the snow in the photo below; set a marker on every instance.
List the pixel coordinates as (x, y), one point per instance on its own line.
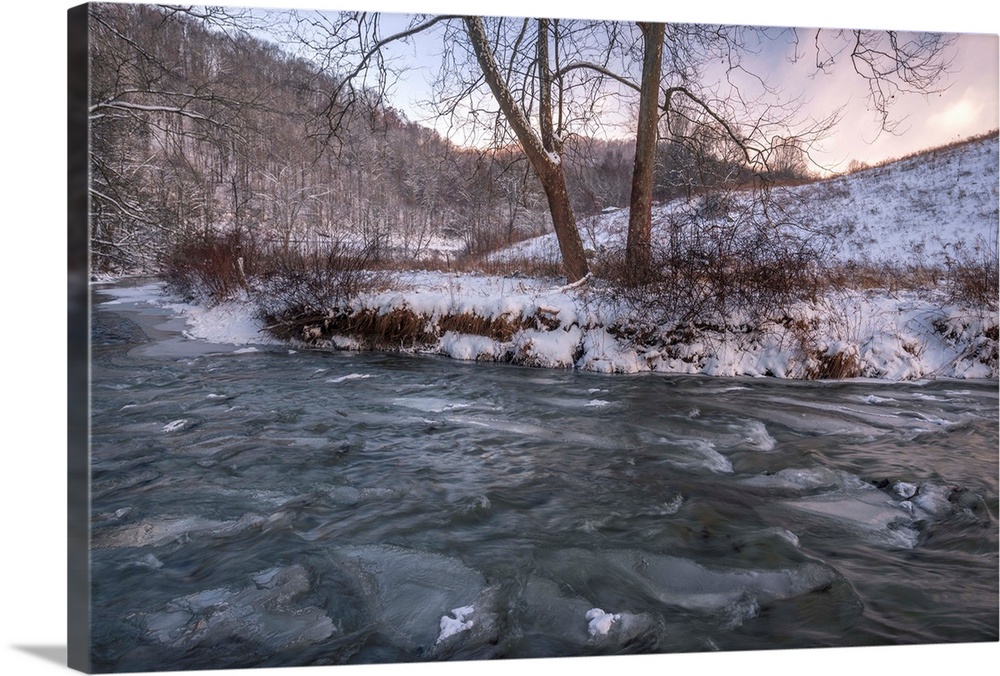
(600, 622)
(923, 210)
(350, 376)
(229, 323)
(926, 208)
(174, 425)
(469, 347)
(903, 336)
(451, 626)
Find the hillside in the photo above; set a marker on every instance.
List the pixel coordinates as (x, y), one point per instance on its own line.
(924, 231)
(922, 210)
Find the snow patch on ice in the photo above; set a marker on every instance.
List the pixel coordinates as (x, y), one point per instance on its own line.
(600, 622)
(349, 376)
(175, 425)
(457, 624)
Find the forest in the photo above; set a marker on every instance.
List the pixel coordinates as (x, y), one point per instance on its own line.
(198, 127)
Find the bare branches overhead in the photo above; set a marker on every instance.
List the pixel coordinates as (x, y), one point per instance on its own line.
(891, 63)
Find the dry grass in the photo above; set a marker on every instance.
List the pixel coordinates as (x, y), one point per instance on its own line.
(502, 328)
(857, 167)
(398, 329)
(867, 275)
(837, 366)
(509, 267)
(211, 263)
(975, 283)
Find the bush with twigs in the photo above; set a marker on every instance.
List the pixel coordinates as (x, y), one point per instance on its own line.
(727, 259)
(213, 264)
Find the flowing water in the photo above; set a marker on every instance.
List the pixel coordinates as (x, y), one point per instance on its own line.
(279, 507)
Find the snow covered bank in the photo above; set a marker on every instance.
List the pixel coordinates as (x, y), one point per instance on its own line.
(536, 323)
(925, 212)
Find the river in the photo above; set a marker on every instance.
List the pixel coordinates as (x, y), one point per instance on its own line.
(274, 507)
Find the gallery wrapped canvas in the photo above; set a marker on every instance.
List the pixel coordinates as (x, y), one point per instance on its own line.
(409, 337)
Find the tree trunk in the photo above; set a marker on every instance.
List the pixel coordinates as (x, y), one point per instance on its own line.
(638, 249)
(546, 163)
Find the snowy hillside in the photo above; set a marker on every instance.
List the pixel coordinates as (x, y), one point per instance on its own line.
(921, 210)
(925, 208)
(915, 212)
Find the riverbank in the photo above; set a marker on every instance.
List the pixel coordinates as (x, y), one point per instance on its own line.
(533, 322)
(888, 273)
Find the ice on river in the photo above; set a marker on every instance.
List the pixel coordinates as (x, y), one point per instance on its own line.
(168, 529)
(807, 478)
(175, 425)
(265, 612)
(868, 512)
(686, 584)
(690, 585)
(695, 455)
(455, 622)
(413, 593)
(883, 512)
(430, 404)
(348, 377)
(571, 623)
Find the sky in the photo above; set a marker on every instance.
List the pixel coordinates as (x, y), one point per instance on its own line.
(967, 104)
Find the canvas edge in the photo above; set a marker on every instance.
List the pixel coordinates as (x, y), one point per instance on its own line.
(78, 344)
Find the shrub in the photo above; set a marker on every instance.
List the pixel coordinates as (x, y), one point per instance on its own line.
(300, 292)
(724, 258)
(212, 263)
(321, 279)
(974, 279)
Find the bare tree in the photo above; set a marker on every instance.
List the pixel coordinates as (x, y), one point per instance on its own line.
(764, 134)
(638, 256)
(162, 115)
(177, 121)
(542, 147)
(521, 82)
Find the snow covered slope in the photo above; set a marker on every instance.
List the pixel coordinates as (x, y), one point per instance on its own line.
(920, 210)
(926, 207)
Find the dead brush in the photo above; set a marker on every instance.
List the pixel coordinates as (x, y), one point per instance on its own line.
(212, 263)
(512, 267)
(323, 279)
(975, 282)
(837, 366)
(400, 328)
(501, 329)
(709, 272)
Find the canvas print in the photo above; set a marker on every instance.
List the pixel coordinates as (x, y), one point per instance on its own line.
(418, 338)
